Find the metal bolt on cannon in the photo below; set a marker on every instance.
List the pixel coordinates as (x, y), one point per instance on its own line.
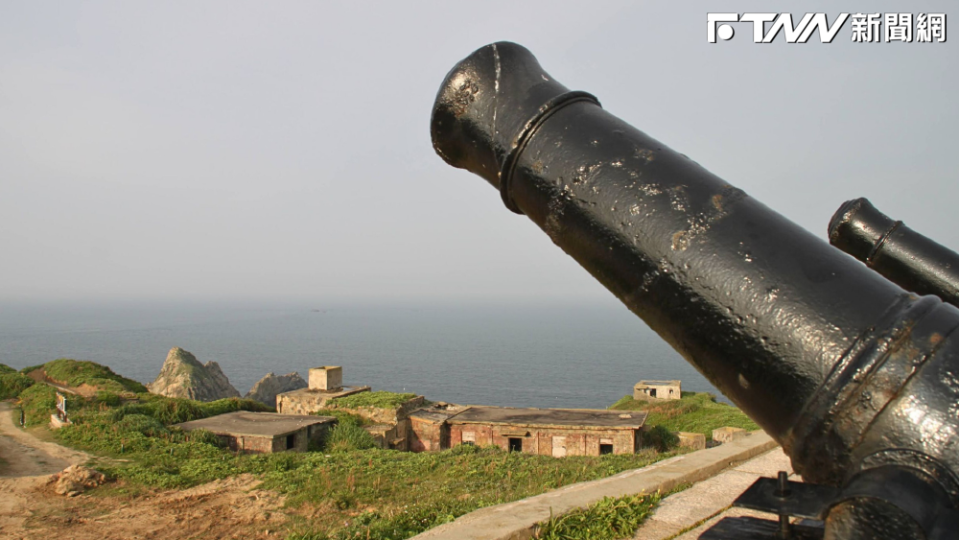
(857, 378)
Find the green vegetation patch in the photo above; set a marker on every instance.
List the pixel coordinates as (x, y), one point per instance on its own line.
(696, 412)
(6, 369)
(344, 417)
(380, 399)
(609, 519)
(12, 383)
(393, 495)
(347, 437)
(77, 372)
(39, 402)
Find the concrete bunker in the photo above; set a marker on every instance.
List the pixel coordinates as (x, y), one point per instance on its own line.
(657, 390)
(259, 432)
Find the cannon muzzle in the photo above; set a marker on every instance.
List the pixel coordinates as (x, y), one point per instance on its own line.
(905, 257)
(855, 377)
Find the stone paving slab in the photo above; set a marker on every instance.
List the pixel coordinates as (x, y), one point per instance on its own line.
(517, 520)
(710, 499)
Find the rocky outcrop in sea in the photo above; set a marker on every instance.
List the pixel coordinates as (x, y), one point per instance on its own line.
(183, 376)
(266, 389)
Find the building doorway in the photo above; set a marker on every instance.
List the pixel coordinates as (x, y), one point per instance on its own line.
(291, 441)
(515, 444)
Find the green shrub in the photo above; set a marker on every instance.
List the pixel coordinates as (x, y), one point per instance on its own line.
(177, 410)
(39, 402)
(343, 417)
(6, 369)
(222, 406)
(660, 438)
(609, 519)
(348, 437)
(380, 399)
(202, 436)
(108, 399)
(12, 383)
(141, 423)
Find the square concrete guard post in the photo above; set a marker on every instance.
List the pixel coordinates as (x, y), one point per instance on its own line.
(328, 378)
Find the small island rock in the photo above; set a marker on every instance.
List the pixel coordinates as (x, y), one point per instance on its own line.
(266, 389)
(183, 376)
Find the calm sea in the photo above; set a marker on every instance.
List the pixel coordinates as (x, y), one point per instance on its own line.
(545, 356)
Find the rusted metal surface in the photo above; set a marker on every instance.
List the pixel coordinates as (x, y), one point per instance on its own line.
(845, 369)
(899, 253)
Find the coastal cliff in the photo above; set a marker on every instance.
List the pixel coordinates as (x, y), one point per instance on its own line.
(183, 376)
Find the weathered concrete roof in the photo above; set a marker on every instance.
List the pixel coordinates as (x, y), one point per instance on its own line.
(329, 394)
(436, 417)
(256, 424)
(583, 418)
(659, 383)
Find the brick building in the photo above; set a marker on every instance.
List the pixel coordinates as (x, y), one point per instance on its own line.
(253, 432)
(551, 432)
(428, 431)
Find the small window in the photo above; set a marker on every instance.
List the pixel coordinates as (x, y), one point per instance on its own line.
(515, 444)
(652, 392)
(291, 441)
(605, 449)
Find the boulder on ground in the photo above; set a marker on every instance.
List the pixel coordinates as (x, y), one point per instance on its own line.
(76, 479)
(266, 389)
(183, 376)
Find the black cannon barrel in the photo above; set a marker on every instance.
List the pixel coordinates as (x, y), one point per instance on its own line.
(838, 364)
(905, 257)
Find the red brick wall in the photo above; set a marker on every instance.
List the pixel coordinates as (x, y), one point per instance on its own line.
(427, 436)
(579, 442)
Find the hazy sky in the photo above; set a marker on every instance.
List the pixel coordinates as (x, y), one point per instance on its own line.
(280, 150)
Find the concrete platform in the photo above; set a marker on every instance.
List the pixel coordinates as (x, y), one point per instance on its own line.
(517, 520)
(685, 515)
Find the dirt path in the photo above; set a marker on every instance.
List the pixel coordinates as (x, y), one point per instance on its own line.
(26, 455)
(29, 509)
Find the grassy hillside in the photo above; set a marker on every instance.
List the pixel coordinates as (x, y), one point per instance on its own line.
(694, 412)
(76, 372)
